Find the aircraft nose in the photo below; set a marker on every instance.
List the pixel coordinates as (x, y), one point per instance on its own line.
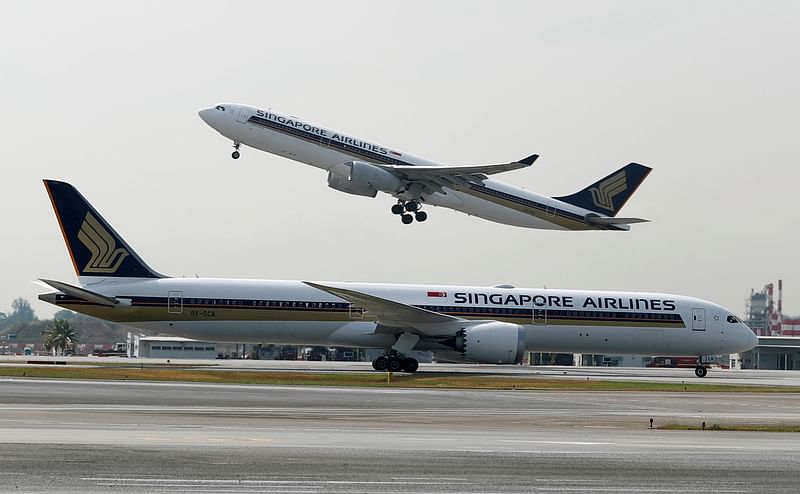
(205, 114)
(751, 338)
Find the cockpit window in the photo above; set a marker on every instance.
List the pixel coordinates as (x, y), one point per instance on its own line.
(734, 320)
(220, 107)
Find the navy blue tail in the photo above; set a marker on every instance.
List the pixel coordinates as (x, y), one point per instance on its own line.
(609, 194)
(96, 249)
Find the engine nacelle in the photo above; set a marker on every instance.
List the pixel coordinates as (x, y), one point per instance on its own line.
(341, 183)
(363, 175)
(492, 343)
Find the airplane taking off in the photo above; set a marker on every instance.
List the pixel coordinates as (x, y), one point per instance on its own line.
(459, 323)
(363, 168)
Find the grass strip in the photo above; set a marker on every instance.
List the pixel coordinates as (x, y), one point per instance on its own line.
(733, 427)
(419, 380)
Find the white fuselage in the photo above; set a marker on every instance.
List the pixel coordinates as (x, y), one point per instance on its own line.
(291, 312)
(324, 148)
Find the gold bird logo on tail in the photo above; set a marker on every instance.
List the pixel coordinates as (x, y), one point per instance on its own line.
(106, 257)
(603, 195)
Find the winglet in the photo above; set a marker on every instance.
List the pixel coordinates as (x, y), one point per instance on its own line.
(529, 160)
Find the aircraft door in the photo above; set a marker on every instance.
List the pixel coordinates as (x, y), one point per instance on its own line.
(698, 319)
(539, 315)
(175, 302)
(244, 114)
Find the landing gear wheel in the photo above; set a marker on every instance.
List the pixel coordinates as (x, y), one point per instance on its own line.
(700, 371)
(410, 364)
(398, 209)
(380, 363)
(235, 155)
(420, 216)
(395, 364)
(412, 206)
(407, 219)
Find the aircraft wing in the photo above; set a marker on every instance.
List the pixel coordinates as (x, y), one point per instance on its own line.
(388, 312)
(453, 177)
(81, 293)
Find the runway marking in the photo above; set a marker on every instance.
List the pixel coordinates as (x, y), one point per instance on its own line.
(400, 480)
(573, 443)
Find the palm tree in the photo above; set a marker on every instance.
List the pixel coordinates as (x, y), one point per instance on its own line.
(60, 336)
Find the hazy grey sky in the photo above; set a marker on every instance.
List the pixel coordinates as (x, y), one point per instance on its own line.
(106, 96)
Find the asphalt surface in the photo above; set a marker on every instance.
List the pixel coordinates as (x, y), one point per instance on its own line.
(715, 375)
(79, 436)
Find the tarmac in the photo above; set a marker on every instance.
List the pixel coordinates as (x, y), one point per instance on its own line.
(82, 436)
(632, 374)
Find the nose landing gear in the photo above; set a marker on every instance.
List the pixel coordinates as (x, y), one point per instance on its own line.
(409, 211)
(235, 154)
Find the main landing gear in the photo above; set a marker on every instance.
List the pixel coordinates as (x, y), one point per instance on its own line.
(395, 362)
(409, 211)
(235, 154)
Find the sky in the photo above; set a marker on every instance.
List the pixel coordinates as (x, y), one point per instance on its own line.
(105, 96)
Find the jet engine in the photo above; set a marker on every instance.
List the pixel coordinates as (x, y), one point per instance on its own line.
(361, 177)
(342, 184)
(492, 343)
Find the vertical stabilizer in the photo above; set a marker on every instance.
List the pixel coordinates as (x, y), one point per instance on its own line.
(609, 194)
(96, 249)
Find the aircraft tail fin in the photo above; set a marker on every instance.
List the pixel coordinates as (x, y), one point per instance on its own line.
(610, 193)
(96, 249)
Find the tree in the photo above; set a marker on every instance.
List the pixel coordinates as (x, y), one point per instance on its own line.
(60, 336)
(21, 311)
(65, 314)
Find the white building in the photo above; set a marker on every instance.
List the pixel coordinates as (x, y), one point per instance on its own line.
(169, 347)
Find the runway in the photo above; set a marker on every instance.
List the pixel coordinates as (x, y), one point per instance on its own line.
(642, 374)
(132, 436)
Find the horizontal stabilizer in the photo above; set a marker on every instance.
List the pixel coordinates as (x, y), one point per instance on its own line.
(82, 293)
(598, 220)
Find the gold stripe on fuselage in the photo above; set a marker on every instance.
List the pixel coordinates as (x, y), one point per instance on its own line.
(156, 314)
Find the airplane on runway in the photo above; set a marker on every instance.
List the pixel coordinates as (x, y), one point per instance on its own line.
(459, 323)
(359, 167)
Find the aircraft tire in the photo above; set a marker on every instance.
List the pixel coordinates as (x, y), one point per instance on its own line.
(412, 206)
(235, 155)
(398, 209)
(395, 364)
(700, 371)
(420, 216)
(410, 364)
(407, 219)
(380, 363)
